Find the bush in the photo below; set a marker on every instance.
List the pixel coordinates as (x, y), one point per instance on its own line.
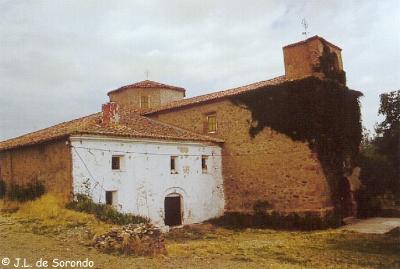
(106, 213)
(379, 182)
(293, 221)
(2, 189)
(23, 193)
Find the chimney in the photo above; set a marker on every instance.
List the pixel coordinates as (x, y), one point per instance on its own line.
(313, 57)
(110, 113)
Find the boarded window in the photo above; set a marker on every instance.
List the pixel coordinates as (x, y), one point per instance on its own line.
(212, 123)
(116, 162)
(204, 160)
(144, 101)
(111, 198)
(173, 166)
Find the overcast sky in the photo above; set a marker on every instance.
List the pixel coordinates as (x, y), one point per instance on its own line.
(58, 59)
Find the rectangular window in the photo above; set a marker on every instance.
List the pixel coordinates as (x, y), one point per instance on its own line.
(111, 198)
(144, 101)
(116, 162)
(204, 160)
(212, 123)
(173, 165)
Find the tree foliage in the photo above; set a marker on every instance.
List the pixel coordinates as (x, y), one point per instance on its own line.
(379, 160)
(388, 139)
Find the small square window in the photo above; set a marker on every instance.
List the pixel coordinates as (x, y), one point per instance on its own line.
(144, 101)
(204, 161)
(212, 123)
(111, 198)
(116, 162)
(173, 165)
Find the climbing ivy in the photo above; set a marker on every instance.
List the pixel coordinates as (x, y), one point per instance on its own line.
(328, 65)
(323, 113)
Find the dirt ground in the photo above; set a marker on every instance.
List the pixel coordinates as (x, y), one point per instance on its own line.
(373, 225)
(206, 246)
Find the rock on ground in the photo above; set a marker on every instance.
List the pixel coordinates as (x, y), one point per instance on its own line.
(138, 239)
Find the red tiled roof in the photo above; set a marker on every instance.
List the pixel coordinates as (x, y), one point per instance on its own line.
(215, 95)
(312, 38)
(148, 84)
(131, 125)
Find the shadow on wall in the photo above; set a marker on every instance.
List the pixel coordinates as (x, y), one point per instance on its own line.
(323, 113)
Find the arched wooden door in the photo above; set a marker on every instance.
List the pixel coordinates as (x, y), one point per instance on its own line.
(173, 210)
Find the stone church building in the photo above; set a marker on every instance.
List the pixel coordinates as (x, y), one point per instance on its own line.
(177, 160)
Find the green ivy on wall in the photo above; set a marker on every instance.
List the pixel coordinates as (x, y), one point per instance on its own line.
(323, 113)
(329, 65)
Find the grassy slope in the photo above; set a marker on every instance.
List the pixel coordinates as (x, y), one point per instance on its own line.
(31, 233)
(218, 248)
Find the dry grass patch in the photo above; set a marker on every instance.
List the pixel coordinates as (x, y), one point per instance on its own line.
(319, 249)
(48, 214)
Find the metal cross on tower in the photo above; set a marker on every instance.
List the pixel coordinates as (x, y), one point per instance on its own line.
(305, 25)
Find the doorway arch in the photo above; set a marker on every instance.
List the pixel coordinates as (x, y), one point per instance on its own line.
(173, 208)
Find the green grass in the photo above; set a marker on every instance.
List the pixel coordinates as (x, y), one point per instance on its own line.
(200, 246)
(48, 215)
(320, 249)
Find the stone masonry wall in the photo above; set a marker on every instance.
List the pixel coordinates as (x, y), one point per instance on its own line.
(301, 58)
(271, 167)
(131, 97)
(50, 163)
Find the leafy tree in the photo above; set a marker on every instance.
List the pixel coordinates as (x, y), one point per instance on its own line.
(379, 159)
(388, 139)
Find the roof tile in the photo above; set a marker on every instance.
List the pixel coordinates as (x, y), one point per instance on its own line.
(147, 84)
(131, 125)
(215, 95)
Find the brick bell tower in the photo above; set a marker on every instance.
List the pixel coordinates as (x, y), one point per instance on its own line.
(314, 57)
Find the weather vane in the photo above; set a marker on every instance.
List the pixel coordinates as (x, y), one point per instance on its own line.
(147, 74)
(305, 25)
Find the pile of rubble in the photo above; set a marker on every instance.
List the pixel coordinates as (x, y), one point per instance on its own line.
(138, 239)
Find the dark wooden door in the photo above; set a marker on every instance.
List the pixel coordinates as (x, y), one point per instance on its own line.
(172, 207)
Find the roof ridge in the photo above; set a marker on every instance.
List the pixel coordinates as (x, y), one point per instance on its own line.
(147, 84)
(188, 101)
(309, 39)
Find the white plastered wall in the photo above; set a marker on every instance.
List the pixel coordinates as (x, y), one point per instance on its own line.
(145, 178)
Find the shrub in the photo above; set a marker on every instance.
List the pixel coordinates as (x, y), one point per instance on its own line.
(2, 189)
(293, 221)
(27, 192)
(106, 213)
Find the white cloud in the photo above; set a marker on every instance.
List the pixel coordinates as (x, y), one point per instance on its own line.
(59, 58)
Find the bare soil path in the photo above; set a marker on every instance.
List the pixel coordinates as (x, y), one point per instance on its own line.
(373, 225)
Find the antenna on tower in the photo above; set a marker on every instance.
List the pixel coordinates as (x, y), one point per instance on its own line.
(147, 72)
(305, 25)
